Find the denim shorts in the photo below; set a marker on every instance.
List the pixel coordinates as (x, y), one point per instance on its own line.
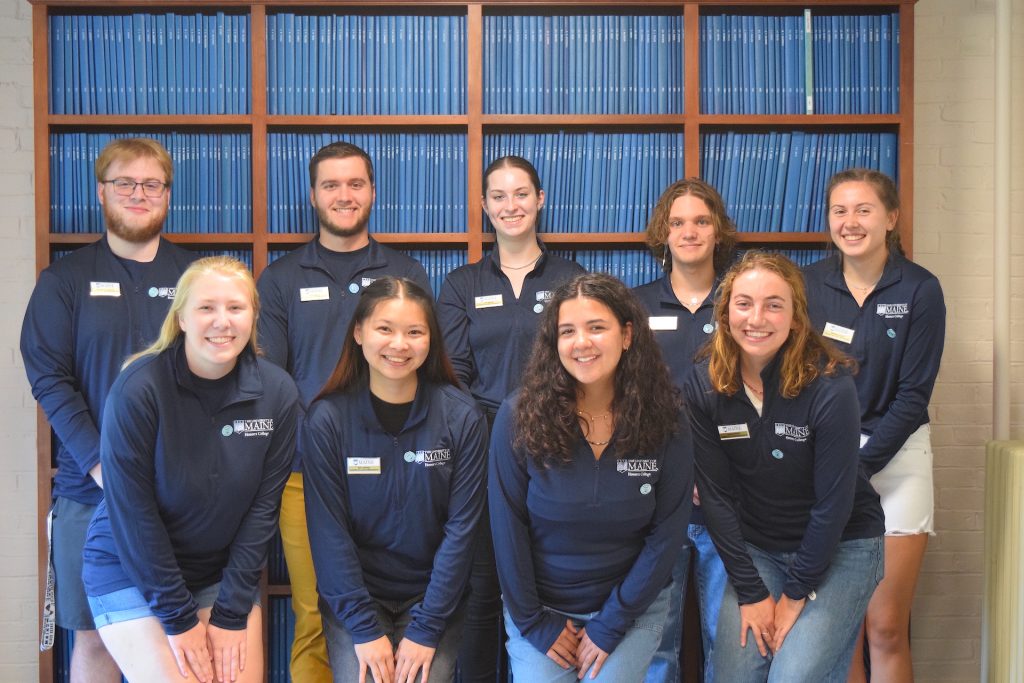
(129, 604)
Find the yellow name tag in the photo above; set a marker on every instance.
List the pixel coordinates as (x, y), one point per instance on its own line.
(838, 332)
(729, 432)
(314, 294)
(364, 465)
(663, 322)
(104, 289)
(489, 301)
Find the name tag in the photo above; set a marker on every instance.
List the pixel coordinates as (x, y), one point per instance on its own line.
(729, 432)
(489, 301)
(364, 465)
(104, 289)
(314, 294)
(663, 322)
(838, 333)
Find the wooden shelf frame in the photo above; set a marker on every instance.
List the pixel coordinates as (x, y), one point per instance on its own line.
(474, 123)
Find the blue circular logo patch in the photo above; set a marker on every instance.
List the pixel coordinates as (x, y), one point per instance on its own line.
(891, 333)
(410, 456)
(708, 328)
(645, 489)
(153, 291)
(777, 454)
(537, 308)
(353, 287)
(227, 430)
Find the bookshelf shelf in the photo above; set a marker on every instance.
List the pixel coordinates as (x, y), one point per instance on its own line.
(475, 130)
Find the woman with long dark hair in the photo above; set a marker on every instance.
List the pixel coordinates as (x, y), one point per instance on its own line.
(798, 526)
(590, 486)
(395, 456)
(888, 313)
(197, 443)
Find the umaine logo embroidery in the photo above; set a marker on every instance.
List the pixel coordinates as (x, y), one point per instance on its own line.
(367, 281)
(258, 427)
(636, 468)
(792, 432)
(162, 292)
(892, 310)
(544, 295)
(434, 458)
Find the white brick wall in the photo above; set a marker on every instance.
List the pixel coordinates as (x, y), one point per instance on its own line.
(953, 238)
(18, 621)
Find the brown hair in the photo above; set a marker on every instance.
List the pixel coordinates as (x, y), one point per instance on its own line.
(805, 354)
(657, 225)
(130, 149)
(887, 193)
(512, 161)
(352, 369)
(646, 403)
(339, 150)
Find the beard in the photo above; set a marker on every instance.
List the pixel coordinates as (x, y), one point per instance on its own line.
(328, 224)
(137, 234)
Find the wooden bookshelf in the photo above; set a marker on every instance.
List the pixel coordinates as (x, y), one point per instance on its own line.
(474, 124)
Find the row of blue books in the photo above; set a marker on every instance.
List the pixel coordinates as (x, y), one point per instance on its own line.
(856, 63)
(797, 64)
(595, 182)
(149, 63)
(420, 180)
(583, 64)
(776, 181)
(211, 192)
(366, 64)
(281, 622)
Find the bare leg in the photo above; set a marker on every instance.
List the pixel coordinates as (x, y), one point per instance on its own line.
(90, 661)
(888, 617)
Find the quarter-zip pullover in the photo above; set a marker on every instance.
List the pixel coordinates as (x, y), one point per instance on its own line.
(392, 517)
(192, 495)
(596, 535)
(87, 314)
(897, 339)
(488, 332)
(787, 480)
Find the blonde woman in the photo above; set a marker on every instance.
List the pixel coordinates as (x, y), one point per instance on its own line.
(196, 444)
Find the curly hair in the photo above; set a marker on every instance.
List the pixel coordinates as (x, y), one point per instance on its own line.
(657, 225)
(646, 403)
(805, 354)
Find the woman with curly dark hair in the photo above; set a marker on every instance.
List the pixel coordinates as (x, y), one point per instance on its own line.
(590, 485)
(796, 522)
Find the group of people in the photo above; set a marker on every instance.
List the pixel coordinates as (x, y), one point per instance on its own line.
(518, 476)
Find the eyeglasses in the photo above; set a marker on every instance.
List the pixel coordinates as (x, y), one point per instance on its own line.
(154, 189)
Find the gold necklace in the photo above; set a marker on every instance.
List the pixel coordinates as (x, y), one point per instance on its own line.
(525, 265)
(593, 423)
(757, 392)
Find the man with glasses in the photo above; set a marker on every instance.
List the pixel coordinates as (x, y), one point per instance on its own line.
(88, 313)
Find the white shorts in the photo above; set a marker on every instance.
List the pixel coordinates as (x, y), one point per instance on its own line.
(906, 489)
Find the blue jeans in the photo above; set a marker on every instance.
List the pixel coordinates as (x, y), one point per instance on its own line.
(626, 664)
(710, 575)
(820, 645)
(393, 617)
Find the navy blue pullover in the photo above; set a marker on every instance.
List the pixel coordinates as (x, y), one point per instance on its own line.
(305, 309)
(897, 341)
(785, 481)
(487, 331)
(85, 317)
(597, 535)
(192, 497)
(391, 517)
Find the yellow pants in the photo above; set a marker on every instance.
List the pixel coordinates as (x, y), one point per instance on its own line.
(309, 663)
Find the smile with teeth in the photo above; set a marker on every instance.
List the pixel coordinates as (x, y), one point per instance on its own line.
(756, 334)
(220, 340)
(397, 360)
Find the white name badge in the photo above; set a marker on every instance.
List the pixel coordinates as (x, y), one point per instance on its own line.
(663, 322)
(489, 301)
(838, 332)
(314, 294)
(364, 465)
(729, 432)
(104, 289)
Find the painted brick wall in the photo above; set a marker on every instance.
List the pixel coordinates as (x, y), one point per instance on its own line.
(953, 238)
